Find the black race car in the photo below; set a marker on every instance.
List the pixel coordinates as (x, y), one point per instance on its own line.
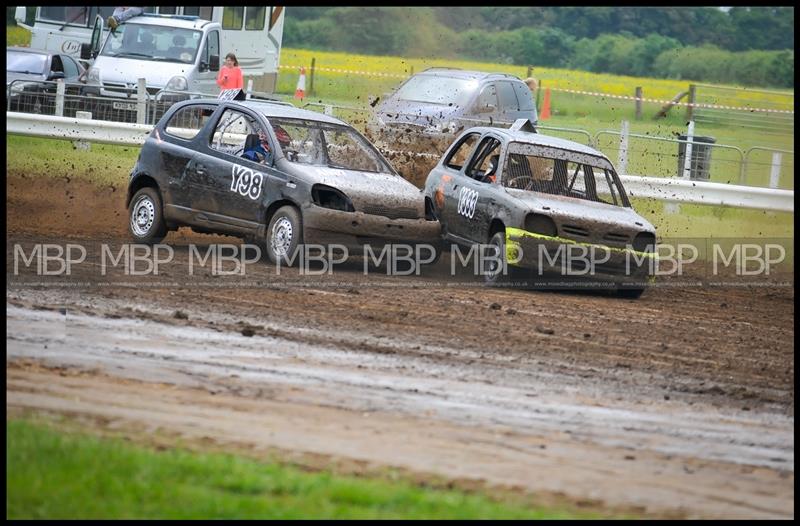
(269, 171)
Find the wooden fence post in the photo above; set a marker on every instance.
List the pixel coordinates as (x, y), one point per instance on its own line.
(311, 79)
(690, 107)
(538, 97)
(530, 71)
(638, 103)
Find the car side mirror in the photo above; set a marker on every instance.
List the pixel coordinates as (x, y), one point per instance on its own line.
(55, 75)
(214, 62)
(86, 51)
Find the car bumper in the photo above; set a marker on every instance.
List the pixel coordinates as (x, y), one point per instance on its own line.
(355, 229)
(551, 256)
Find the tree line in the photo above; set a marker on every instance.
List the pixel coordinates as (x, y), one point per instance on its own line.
(748, 46)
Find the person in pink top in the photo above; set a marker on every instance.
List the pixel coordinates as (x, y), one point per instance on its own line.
(230, 76)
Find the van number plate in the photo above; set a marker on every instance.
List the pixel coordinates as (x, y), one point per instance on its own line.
(124, 106)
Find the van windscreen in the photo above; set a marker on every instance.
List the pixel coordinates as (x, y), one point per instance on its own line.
(151, 42)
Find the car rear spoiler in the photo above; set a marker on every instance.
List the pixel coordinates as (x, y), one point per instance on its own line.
(523, 125)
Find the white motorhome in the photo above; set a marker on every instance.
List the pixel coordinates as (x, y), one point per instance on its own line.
(254, 34)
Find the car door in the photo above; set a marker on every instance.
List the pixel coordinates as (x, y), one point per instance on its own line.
(177, 146)
(208, 65)
(473, 193)
(444, 192)
(235, 186)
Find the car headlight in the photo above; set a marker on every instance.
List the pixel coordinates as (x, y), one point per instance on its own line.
(94, 75)
(177, 83)
(328, 197)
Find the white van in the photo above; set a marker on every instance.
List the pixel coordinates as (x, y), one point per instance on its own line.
(253, 34)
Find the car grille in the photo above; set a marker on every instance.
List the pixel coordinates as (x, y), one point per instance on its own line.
(122, 90)
(574, 230)
(391, 213)
(617, 238)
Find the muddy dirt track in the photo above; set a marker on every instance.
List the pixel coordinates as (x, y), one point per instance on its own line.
(678, 404)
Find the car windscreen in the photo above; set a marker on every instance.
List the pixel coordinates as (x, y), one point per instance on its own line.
(324, 144)
(22, 62)
(437, 90)
(151, 42)
(555, 171)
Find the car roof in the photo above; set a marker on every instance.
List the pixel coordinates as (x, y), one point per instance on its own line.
(465, 74)
(169, 21)
(542, 140)
(277, 109)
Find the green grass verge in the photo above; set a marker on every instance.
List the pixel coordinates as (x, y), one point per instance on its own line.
(103, 165)
(55, 475)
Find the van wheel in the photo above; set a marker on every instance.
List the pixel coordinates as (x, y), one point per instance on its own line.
(146, 217)
(284, 235)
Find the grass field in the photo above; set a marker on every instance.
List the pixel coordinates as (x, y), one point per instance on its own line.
(55, 474)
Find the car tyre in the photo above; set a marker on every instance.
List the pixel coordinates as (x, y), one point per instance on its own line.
(284, 235)
(631, 293)
(146, 217)
(493, 275)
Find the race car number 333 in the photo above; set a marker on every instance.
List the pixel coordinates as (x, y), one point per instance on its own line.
(467, 199)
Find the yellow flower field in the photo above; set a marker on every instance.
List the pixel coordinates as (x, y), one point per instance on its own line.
(661, 89)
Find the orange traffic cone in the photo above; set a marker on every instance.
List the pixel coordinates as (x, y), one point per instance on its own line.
(300, 92)
(546, 106)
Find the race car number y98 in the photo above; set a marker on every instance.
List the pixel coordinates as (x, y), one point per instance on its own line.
(246, 181)
(467, 200)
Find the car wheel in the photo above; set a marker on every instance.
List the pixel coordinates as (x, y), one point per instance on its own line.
(146, 219)
(284, 235)
(493, 271)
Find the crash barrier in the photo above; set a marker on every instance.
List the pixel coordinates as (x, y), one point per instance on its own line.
(667, 189)
(759, 166)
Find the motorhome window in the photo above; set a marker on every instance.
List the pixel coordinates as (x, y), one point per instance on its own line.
(23, 62)
(150, 42)
(203, 12)
(254, 17)
(103, 11)
(168, 10)
(232, 17)
(67, 15)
